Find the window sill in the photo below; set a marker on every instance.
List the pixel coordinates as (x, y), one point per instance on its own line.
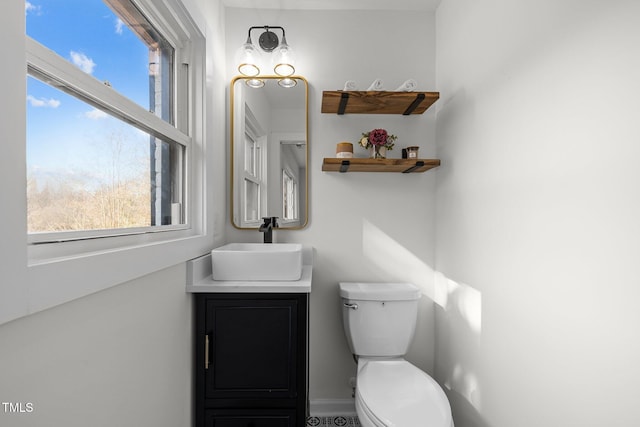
(57, 281)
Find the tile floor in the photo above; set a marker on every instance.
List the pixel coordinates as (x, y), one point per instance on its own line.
(334, 421)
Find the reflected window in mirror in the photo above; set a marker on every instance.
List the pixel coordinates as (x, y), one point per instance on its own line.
(289, 197)
(252, 174)
(252, 201)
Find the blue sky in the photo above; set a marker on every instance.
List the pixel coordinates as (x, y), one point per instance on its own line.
(64, 135)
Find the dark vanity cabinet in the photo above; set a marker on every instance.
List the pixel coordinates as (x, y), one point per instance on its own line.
(251, 359)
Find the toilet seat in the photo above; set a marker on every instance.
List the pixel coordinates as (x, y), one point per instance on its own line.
(395, 393)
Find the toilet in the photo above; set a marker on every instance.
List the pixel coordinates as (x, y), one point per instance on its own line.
(379, 322)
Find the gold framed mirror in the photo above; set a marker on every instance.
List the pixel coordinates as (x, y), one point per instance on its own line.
(269, 151)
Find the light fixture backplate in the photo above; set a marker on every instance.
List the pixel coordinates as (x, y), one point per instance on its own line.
(268, 41)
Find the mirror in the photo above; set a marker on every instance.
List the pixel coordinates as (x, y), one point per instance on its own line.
(269, 151)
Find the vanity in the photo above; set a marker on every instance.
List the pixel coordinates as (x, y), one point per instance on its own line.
(251, 344)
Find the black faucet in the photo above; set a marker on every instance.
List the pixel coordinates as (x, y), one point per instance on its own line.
(270, 222)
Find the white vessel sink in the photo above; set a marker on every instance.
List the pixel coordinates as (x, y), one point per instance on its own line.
(257, 262)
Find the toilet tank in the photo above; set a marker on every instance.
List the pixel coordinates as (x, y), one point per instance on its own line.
(379, 318)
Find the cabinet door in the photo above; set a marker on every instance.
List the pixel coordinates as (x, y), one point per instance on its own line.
(250, 418)
(252, 348)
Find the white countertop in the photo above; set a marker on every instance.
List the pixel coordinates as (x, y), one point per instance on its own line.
(199, 279)
(292, 286)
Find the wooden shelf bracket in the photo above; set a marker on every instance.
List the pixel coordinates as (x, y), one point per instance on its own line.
(418, 164)
(344, 98)
(419, 98)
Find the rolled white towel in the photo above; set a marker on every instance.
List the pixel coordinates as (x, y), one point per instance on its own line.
(408, 86)
(376, 85)
(350, 85)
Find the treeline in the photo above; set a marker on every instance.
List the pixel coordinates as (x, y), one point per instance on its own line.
(66, 206)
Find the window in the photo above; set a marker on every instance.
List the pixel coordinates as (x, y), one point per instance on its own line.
(289, 196)
(106, 147)
(253, 173)
(72, 264)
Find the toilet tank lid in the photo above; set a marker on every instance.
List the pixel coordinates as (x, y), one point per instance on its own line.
(379, 291)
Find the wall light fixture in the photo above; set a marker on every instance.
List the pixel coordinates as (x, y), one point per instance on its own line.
(250, 57)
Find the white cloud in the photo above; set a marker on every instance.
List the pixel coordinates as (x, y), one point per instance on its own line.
(96, 114)
(30, 7)
(119, 26)
(83, 62)
(43, 102)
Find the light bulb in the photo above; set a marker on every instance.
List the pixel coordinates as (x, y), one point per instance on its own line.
(255, 83)
(283, 59)
(287, 82)
(248, 58)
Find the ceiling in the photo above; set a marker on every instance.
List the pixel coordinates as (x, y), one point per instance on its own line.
(428, 5)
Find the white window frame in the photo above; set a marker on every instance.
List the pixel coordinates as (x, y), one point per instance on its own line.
(249, 126)
(251, 175)
(59, 272)
(49, 66)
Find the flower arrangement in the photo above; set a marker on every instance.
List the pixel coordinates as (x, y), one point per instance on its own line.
(378, 140)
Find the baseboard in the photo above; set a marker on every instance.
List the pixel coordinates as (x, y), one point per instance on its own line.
(330, 407)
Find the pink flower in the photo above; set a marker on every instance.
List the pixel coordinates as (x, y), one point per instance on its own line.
(378, 137)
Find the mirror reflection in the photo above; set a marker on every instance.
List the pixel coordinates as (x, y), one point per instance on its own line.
(269, 151)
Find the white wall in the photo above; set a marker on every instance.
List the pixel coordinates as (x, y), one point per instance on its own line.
(376, 227)
(538, 206)
(104, 357)
(121, 356)
(118, 357)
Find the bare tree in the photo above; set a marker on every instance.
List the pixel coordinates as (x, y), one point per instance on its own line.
(117, 195)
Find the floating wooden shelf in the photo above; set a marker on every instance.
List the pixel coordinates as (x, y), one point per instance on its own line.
(377, 102)
(378, 165)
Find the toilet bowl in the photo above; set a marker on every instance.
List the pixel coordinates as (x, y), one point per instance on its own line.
(379, 321)
(397, 393)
